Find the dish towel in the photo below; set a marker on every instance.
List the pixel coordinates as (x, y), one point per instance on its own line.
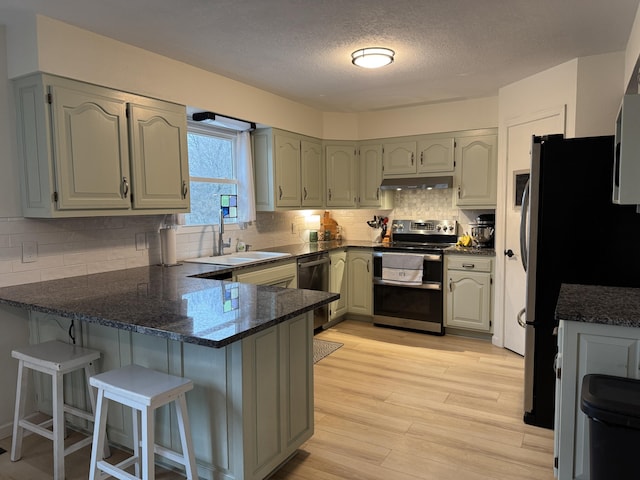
(402, 268)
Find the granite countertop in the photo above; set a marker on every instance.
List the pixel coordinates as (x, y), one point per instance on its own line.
(597, 304)
(457, 250)
(167, 302)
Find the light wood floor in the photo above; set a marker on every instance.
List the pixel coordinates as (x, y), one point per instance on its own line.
(392, 404)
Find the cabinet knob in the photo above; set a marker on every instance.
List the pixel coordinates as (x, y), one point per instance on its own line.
(509, 253)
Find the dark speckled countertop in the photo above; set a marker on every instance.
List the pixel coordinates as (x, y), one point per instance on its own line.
(167, 302)
(596, 304)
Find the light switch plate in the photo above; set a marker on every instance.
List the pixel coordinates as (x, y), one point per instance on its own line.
(29, 251)
(141, 241)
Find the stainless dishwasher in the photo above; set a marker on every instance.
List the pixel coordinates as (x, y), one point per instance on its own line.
(313, 274)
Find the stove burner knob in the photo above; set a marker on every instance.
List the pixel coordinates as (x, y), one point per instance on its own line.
(450, 227)
(438, 228)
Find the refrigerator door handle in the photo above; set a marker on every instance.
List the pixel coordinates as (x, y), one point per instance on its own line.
(521, 322)
(524, 254)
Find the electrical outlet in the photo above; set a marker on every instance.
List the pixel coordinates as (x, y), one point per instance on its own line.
(141, 241)
(29, 251)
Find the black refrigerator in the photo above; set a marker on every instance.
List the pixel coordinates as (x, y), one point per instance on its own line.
(571, 232)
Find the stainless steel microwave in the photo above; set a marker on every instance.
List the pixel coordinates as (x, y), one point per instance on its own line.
(626, 169)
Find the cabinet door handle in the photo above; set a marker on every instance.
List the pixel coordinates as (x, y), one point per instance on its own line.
(378, 193)
(185, 189)
(125, 187)
(450, 286)
(368, 266)
(458, 191)
(411, 158)
(421, 158)
(329, 194)
(280, 190)
(305, 193)
(468, 265)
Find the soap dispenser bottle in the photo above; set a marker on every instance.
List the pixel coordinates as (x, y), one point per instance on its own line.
(240, 246)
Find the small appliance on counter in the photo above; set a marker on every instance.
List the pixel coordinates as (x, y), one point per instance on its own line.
(483, 230)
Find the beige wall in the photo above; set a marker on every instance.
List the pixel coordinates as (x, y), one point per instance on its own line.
(632, 54)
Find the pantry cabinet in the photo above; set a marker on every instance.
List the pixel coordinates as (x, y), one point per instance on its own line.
(476, 159)
(338, 283)
(289, 170)
(468, 292)
(586, 348)
(342, 185)
(360, 282)
(87, 150)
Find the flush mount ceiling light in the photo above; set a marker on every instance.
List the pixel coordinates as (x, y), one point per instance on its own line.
(372, 57)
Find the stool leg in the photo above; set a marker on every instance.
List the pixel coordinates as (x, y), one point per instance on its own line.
(99, 434)
(18, 431)
(148, 443)
(135, 418)
(185, 438)
(89, 371)
(58, 426)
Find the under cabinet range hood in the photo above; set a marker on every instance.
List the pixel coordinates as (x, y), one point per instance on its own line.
(425, 183)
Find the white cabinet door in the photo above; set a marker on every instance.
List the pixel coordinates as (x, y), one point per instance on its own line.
(312, 171)
(160, 170)
(476, 170)
(360, 287)
(469, 300)
(399, 158)
(287, 160)
(586, 348)
(370, 175)
(90, 148)
(338, 283)
(341, 176)
(435, 155)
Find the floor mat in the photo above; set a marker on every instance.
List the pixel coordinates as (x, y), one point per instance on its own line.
(322, 348)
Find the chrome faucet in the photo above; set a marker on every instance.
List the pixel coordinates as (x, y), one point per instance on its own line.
(221, 244)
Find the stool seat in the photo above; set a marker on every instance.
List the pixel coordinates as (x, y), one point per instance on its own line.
(56, 359)
(143, 390)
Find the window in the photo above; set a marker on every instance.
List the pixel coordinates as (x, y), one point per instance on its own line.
(212, 172)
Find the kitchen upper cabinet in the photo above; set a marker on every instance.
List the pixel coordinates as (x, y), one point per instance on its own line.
(360, 282)
(342, 185)
(370, 159)
(399, 158)
(435, 155)
(338, 283)
(468, 294)
(476, 160)
(586, 348)
(312, 172)
(81, 156)
(160, 171)
(289, 170)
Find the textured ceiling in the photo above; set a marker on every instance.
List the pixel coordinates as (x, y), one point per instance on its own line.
(300, 49)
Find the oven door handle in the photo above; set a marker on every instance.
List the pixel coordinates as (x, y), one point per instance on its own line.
(422, 286)
(429, 257)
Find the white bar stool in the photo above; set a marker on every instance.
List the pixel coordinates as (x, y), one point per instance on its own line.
(143, 390)
(56, 359)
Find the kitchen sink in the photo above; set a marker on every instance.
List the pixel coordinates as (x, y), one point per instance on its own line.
(238, 258)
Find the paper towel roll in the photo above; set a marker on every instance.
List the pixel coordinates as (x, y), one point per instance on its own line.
(168, 245)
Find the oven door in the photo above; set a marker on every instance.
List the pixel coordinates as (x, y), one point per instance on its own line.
(417, 307)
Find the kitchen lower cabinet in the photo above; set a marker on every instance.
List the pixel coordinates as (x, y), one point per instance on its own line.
(338, 283)
(468, 292)
(251, 406)
(285, 275)
(360, 282)
(87, 150)
(585, 348)
(476, 160)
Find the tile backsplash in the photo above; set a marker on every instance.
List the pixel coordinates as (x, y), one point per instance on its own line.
(80, 246)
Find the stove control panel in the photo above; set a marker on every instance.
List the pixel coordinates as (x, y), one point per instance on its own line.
(425, 227)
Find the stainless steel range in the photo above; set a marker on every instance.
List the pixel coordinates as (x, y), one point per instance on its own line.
(408, 275)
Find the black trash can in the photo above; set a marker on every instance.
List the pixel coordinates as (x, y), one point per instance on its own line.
(613, 407)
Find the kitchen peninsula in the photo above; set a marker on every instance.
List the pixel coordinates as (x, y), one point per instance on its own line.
(247, 348)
